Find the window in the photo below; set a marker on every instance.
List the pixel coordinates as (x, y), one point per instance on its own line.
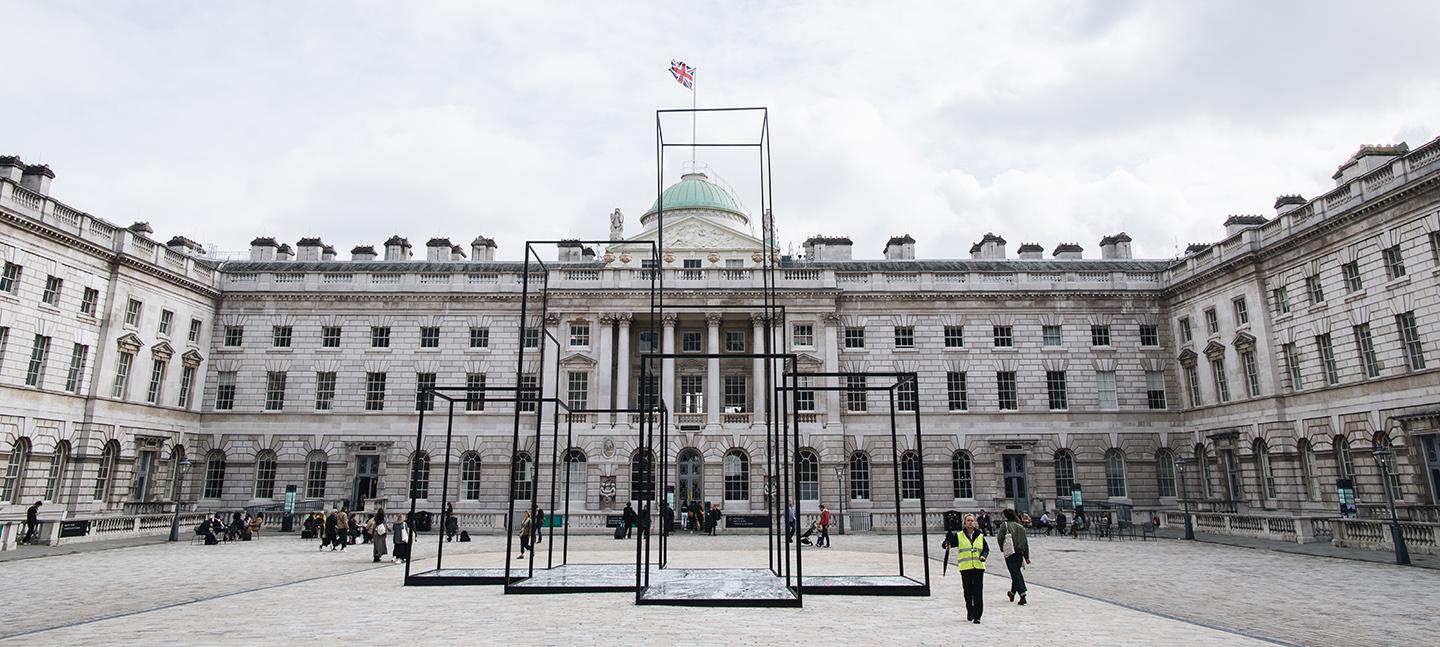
(1222, 384)
(420, 475)
(1292, 365)
(10, 280)
(234, 336)
(531, 338)
(424, 392)
(691, 342)
(1410, 339)
(856, 397)
(275, 390)
(1309, 470)
(1315, 289)
(379, 336)
(1192, 384)
(1282, 299)
(280, 336)
(88, 301)
(911, 485)
(1212, 322)
(1004, 336)
(1165, 472)
(807, 467)
(647, 341)
(121, 388)
(904, 336)
(479, 337)
(132, 313)
(692, 394)
(859, 476)
(854, 337)
(804, 334)
(1051, 335)
(577, 389)
(576, 476)
(1149, 335)
(529, 393)
(1242, 311)
(1327, 358)
(955, 390)
(580, 335)
(105, 475)
(1105, 390)
(1185, 333)
(317, 468)
(330, 337)
(75, 376)
(642, 476)
(12, 489)
(1252, 373)
(1005, 381)
(1064, 473)
(51, 295)
(522, 475)
(737, 476)
(1202, 460)
(157, 380)
(4, 340)
(167, 318)
(734, 341)
(1055, 389)
(474, 391)
(1099, 335)
(1435, 246)
(429, 336)
(1351, 272)
(1365, 344)
(1345, 462)
(39, 355)
(374, 391)
(1155, 389)
(470, 476)
(193, 335)
(734, 395)
(960, 482)
(265, 475)
(1394, 262)
(55, 476)
(1266, 472)
(225, 390)
(907, 394)
(1115, 473)
(214, 475)
(324, 390)
(954, 336)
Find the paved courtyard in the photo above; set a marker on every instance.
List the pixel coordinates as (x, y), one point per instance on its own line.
(282, 590)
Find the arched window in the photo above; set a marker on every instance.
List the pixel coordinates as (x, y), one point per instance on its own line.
(523, 475)
(1115, 473)
(265, 475)
(642, 476)
(214, 474)
(420, 475)
(737, 476)
(317, 470)
(860, 476)
(1064, 473)
(911, 485)
(1165, 472)
(470, 476)
(55, 478)
(1261, 450)
(960, 481)
(1309, 471)
(575, 475)
(1382, 439)
(12, 489)
(1345, 463)
(1202, 459)
(808, 468)
(690, 474)
(105, 476)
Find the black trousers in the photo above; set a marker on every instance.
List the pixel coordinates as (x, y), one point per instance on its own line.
(1017, 577)
(30, 530)
(973, 581)
(824, 536)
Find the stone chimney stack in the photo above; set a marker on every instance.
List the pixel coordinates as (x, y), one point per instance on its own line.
(309, 249)
(11, 168)
(327, 253)
(1237, 224)
(185, 246)
(1068, 252)
(1122, 246)
(829, 248)
(570, 251)
(36, 177)
(397, 249)
(900, 248)
(991, 247)
(482, 249)
(1287, 203)
(1196, 248)
(1367, 159)
(1107, 247)
(284, 252)
(363, 253)
(457, 253)
(1032, 252)
(437, 249)
(263, 249)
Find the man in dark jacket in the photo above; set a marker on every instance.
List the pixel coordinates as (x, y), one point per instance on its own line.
(628, 519)
(32, 522)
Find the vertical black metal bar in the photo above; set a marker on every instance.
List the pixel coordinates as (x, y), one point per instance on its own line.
(895, 458)
(554, 475)
(795, 411)
(565, 518)
(444, 481)
(519, 397)
(924, 528)
(410, 485)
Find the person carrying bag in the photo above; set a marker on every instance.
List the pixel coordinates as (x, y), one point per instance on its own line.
(1017, 553)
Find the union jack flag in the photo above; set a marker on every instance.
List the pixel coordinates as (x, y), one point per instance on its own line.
(684, 74)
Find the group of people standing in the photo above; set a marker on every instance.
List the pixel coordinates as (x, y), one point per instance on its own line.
(241, 527)
(972, 550)
(339, 529)
(700, 517)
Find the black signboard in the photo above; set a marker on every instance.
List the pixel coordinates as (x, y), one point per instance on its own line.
(75, 528)
(747, 521)
(1345, 492)
(614, 520)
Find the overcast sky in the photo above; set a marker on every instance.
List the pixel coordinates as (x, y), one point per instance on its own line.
(1054, 122)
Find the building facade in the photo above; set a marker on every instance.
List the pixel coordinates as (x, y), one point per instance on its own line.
(135, 374)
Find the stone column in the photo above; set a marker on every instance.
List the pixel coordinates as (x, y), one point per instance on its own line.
(757, 406)
(832, 364)
(622, 367)
(605, 330)
(667, 365)
(712, 370)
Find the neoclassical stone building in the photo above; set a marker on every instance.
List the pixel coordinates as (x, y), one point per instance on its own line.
(1272, 361)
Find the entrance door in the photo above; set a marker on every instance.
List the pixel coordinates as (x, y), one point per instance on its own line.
(367, 478)
(1016, 487)
(689, 477)
(1232, 474)
(143, 473)
(1431, 444)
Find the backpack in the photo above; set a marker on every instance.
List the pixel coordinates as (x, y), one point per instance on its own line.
(464, 535)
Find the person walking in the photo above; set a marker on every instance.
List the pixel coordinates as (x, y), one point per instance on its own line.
(342, 529)
(452, 524)
(401, 533)
(377, 528)
(538, 526)
(714, 518)
(32, 523)
(1016, 551)
(526, 532)
(791, 518)
(627, 517)
(985, 525)
(332, 531)
(971, 551)
(824, 540)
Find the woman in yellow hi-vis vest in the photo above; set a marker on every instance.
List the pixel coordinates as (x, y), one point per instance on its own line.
(971, 551)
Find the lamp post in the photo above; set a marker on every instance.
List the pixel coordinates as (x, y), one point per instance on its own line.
(180, 469)
(840, 482)
(1402, 554)
(1185, 498)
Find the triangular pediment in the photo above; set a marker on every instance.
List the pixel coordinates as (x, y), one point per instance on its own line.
(1243, 341)
(1214, 350)
(807, 360)
(1187, 357)
(692, 232)
(578, 358)
(192, 358)
(129, 343)
(162, 351)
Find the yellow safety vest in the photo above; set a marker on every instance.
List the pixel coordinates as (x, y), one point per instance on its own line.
(967, 554)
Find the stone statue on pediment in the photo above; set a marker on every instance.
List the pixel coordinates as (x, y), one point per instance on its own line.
(617, 225)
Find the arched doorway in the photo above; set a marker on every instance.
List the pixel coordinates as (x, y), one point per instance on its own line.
(689, 487)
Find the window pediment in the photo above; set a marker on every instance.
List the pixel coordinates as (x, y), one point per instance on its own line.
(1215, 350)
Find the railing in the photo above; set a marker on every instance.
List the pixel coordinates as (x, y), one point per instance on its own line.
(289, 278)
(909, 520)
(1405, 512)
(431, 278)
(1297, 529)
(582, 275)
(802, 275)
(27, 197)
(690, 418)
(1374, 534)
(735, 418)
(339, 277)
(577, 418)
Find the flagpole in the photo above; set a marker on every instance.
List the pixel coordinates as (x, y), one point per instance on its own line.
(694, 93)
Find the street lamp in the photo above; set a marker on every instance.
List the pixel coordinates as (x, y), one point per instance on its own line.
(180, 469)
(1185, 498)
(1402, 554)
(840, 482)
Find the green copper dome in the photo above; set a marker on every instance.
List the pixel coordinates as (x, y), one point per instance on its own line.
(695, 191)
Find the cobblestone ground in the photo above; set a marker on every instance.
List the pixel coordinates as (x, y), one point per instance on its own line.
(283, 591)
